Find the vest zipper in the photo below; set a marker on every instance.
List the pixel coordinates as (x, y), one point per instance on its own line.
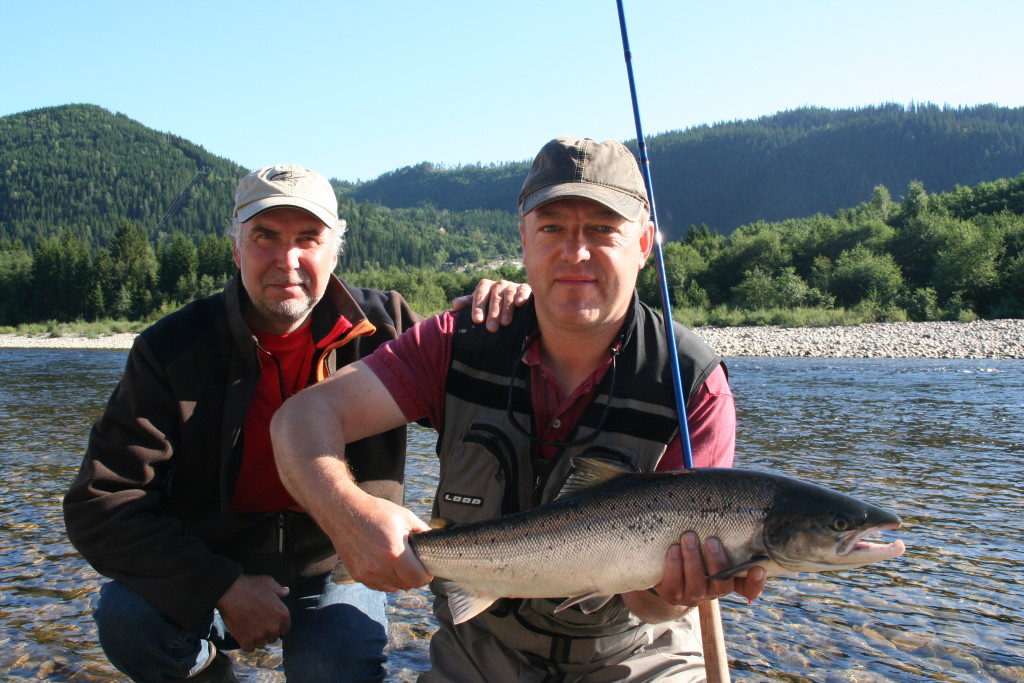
(280, 532)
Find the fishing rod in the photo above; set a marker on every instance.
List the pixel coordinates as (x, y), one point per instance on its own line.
(659, 256)
(716, 662)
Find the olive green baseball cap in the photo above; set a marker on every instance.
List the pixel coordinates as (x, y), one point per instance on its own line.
(286, 185)
(603, 172)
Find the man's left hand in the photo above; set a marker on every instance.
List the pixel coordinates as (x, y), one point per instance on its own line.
(494, 301)
(684, 583)
(253, 611)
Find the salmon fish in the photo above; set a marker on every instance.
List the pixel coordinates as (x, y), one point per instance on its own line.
(608, 532)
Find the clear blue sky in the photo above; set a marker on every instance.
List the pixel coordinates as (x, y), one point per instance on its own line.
(357, 88)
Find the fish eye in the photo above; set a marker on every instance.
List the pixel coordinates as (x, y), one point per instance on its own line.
(841, 524)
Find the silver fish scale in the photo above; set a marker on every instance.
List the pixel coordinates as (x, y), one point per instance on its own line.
(610, 539)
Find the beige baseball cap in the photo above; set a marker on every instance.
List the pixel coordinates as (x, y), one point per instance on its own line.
(286, 185)
(603, 172)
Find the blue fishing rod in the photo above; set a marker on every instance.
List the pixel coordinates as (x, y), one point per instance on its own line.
(716, 661)
(659, 256)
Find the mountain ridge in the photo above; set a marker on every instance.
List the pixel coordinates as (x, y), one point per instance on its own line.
(791, 164)
(83, 169)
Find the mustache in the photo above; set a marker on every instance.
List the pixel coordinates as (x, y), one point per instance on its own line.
(299, 279)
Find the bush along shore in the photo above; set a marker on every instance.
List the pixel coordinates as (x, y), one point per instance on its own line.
(977, 339)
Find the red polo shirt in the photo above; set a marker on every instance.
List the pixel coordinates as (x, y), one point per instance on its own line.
(414, 369)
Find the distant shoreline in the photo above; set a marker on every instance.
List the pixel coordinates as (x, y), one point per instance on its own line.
(978, 339)
(115, 342)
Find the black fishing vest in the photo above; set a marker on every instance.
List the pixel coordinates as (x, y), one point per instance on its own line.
(487, 466)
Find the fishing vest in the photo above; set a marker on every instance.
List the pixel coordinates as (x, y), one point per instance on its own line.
(488, 468)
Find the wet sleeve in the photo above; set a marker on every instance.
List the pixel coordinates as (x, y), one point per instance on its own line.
(116, 513)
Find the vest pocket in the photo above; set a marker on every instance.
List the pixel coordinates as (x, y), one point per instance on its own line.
(479, 476)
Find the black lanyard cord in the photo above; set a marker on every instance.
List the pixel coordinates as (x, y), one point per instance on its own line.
(613, 352)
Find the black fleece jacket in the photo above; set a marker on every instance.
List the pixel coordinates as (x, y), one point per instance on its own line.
(151, 505)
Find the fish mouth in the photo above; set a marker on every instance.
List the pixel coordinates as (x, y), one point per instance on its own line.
(853, 545)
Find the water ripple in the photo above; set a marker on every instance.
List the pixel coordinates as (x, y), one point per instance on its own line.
(939, 442)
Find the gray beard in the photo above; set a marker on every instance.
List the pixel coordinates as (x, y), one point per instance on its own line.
(290, 311)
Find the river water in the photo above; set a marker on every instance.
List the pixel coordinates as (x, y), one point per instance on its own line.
(941, 443)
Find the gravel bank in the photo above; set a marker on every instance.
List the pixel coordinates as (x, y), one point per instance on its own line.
(979, 339)
(112, 341)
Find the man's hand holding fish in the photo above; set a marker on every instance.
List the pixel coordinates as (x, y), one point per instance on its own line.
(685, 583)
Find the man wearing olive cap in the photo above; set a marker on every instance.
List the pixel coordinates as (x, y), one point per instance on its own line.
(178, 499)
(581, 372)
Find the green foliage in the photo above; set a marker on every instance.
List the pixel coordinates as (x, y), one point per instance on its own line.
(428, 291)
(947, 256)
(216, 257)
(81, 169)
(860, 275)
(15, 274)
(92, 329)
(791, 164)
(82, 192)
(462, 188)
(178, 261)
(723, 316)
(61, 277)
(921, 304)
(1010, 304)
(794, 272)
(683, 263)
(132, 282)
(761, 290)
(424, 236)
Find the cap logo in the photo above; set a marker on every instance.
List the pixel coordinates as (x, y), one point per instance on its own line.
(285, 177)
(286, 185)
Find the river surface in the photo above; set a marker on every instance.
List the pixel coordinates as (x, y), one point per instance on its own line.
(940, 443)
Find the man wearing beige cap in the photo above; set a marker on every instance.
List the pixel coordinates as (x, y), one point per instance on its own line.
(581, 372)
(178, 499)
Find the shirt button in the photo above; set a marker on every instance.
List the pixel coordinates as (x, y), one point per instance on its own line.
(556, 423)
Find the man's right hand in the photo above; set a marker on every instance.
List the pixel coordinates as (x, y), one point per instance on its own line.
(375, 545)
(494, 302)
(253, 612)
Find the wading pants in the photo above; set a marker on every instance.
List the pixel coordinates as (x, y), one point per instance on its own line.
(471, 653)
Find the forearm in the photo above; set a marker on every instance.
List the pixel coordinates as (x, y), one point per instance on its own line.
(311, 430)
(309, 433)
(309, 448)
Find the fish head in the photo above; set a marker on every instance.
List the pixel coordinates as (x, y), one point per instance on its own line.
(810, 528)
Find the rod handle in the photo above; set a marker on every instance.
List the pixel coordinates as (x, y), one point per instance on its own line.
(716, 661)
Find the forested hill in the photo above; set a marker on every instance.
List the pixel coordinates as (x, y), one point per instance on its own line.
(81, 169)
(83, 193)
(792, 164)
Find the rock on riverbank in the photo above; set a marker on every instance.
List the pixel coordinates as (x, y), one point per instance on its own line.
(979, 339)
